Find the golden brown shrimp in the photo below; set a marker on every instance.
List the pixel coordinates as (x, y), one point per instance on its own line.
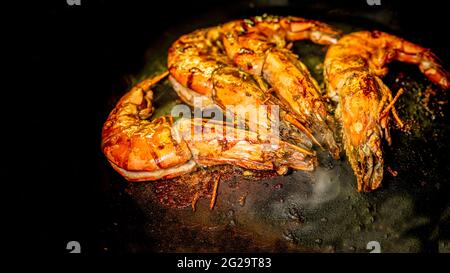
(353, 70)
(142, 150)
(260, 46)
(201, 71)
(200, 68)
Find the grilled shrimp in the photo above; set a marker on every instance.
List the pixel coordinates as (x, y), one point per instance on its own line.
(353, 70)
(200, 68)
(260, 46)
(141, 150)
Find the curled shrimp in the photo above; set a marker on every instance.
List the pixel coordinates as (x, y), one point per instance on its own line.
(353, 70)
(261, 46)
(141, 149)
(202, 66)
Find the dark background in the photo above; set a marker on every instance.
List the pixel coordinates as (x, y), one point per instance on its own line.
(77, 58)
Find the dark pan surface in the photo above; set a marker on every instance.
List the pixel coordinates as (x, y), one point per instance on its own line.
(82, 59)
(306, 212)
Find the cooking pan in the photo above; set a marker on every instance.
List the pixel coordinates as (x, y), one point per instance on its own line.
(317, 211)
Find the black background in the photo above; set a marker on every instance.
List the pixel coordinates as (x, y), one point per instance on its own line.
(77, 58)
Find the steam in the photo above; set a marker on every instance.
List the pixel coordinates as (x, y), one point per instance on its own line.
(326, 186)
(318, 187)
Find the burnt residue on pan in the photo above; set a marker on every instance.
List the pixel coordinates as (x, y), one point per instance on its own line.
(317, 211)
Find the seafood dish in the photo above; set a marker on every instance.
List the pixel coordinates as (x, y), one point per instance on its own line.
(353, 70)
(244, 65)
